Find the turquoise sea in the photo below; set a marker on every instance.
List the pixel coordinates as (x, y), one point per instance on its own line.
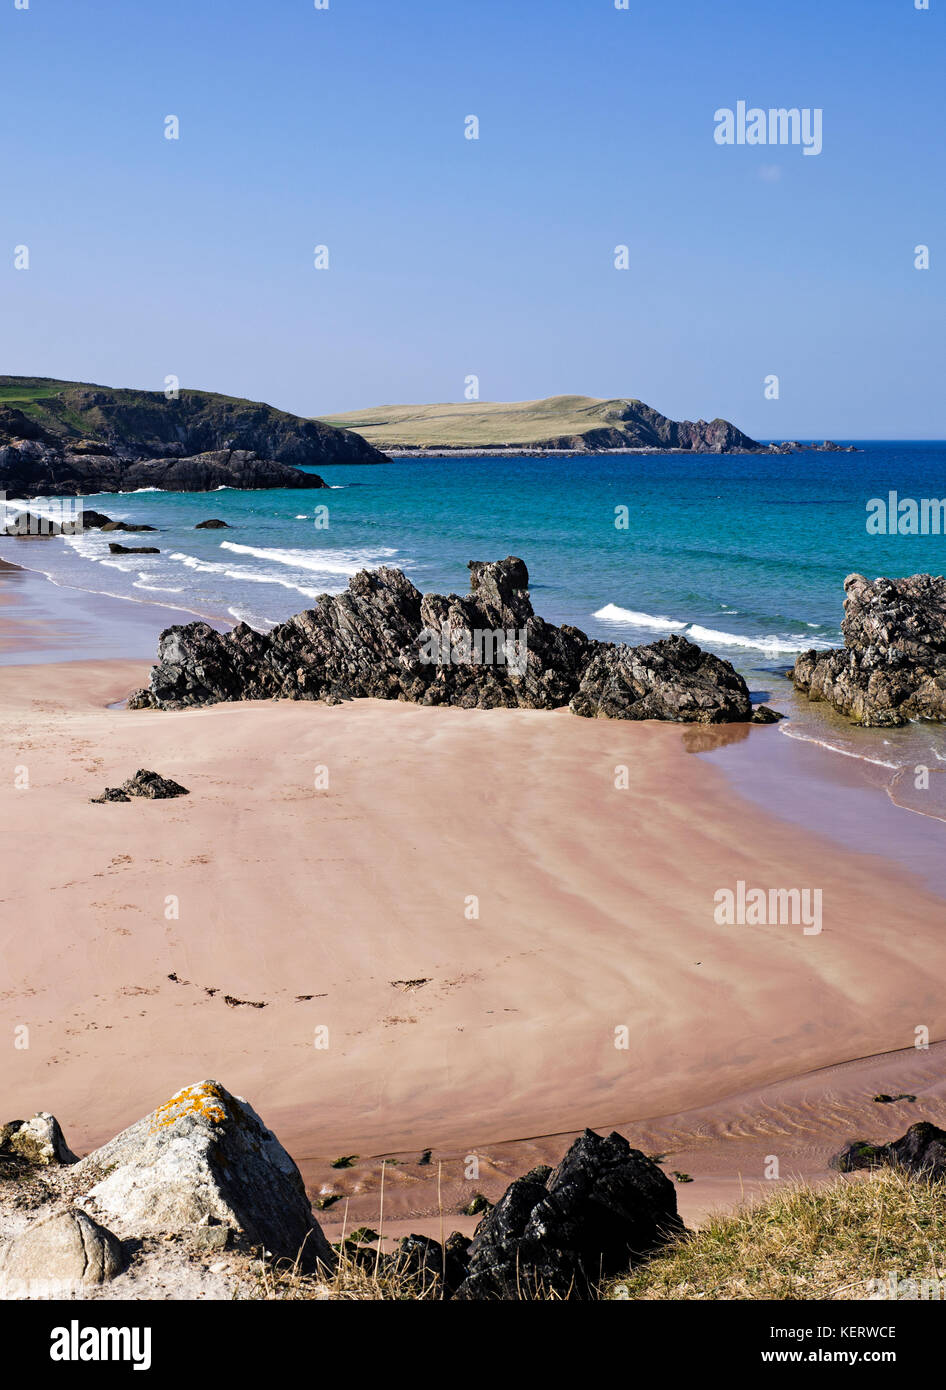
(745, 555)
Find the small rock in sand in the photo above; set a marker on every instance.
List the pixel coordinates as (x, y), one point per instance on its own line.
(144, 783)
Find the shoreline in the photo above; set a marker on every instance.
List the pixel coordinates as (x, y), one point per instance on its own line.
(497, 1028)
(44, 621)
(445, 451)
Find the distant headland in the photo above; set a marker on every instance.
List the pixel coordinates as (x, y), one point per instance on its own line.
(555, 425)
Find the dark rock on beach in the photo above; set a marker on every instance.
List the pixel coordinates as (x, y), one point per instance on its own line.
(26, 523)
(920, 1152)
(762, 714)
(144, 783)
(116, 549)
(892, 667)
(383, 639)
(604, 1208)
(671, 679)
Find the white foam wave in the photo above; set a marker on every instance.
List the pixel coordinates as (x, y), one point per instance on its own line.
(243, 574)
(192, 562)
(87, 544)
(792, 731)
(242, 615)
(771, 645)
(344, 562)
(611, 613)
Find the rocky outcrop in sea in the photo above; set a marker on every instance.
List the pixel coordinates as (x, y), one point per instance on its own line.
(35, 463)
(488, 649)
(892, 667)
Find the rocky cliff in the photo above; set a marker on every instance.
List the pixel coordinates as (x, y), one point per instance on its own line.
(65, 438)
(145, 424)
(37, 463)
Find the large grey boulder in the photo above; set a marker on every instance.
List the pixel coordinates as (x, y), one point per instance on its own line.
(58, 1254)
(39, 1140)
(205, 1157)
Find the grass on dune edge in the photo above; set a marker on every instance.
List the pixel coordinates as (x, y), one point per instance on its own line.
(839, 1242)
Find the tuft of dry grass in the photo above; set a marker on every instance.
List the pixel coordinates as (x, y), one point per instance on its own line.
(804, 1243)
(354, 1279)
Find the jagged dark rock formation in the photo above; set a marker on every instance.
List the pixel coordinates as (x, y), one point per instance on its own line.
(144, 783)
(670, 679)
(892, 667)
(33, 468)
(642, 427)
(605, 1207)
(383, 639)
(921, 1151)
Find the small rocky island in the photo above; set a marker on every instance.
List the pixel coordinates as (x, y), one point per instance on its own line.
(383, 639)
(892, 667)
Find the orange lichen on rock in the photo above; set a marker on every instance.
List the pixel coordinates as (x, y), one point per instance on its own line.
(206, 1099)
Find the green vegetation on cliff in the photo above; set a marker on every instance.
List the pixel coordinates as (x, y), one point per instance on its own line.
(146, 424)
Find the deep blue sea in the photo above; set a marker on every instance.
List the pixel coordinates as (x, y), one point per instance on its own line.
(745, 555)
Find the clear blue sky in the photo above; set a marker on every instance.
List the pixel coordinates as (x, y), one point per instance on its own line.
(448, 256)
